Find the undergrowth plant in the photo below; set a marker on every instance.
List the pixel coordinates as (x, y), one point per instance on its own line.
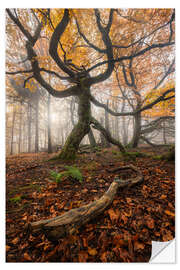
(72, 172)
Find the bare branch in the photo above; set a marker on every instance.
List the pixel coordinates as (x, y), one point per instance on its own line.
(18, 72)
(155, 124)
(18, 23)
(59, 30)
(149, 106)
(146, 36)
(129, 57)
(26, 80)
(87, 41)
(109, 51)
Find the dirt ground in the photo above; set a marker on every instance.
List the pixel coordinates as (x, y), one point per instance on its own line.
(123, 233)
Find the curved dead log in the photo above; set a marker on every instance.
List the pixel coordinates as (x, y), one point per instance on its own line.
(71, 221)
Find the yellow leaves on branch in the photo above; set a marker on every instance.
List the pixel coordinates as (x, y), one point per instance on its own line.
(164, 107)
(70, 41)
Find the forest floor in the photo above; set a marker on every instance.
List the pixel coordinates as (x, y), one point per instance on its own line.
(123, 233)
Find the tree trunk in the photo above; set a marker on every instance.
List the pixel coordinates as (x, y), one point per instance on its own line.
(12, 130)
(29, 126)
(137, 130)
(107, 124)
(164, 133)
(20, 130)
(91, 137)
(37, 126)
(102, 138)
(71, 221)
(80, 129)
(49, 124)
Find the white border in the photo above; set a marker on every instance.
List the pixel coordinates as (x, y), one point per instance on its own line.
(77, 4)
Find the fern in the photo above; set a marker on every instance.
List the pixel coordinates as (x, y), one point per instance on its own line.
(71, 171)
(74, 173)
(56, 176)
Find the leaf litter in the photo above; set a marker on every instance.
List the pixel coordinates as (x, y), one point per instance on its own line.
(123, 233)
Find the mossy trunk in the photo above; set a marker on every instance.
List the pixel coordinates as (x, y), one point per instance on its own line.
(80, 129)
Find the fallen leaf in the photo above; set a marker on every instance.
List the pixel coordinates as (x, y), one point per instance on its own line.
(82, 256)
(15, 240)
(103, 256)
(52, 210)
(7, 248)
(85, 243)
(27, 257)
(138, 245)
(163, 196)
(169, 213)
(124, 218)
(114, 216)
(128, 214)
(129, 200)
(92, 251)
(118, 241)
(150, 223)
(167, 236)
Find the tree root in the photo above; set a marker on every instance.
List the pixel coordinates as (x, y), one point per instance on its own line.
(71, 221)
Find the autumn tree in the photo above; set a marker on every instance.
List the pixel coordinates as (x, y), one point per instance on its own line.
(83, 47)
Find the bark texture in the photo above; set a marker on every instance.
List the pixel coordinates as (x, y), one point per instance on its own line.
(80, 129)
(137, 130)
(71, 221)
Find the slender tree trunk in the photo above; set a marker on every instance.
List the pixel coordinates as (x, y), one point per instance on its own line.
(91, 137)
(12, 130)
(124, 126)
(20, 130)
(102, 138)
(80, 129)
(37, 127)
(45, 138)
(116, 124)
(49, 125)
(107, 124)
(29, 126)
(137, 130)
(164, 133)
(124, 132)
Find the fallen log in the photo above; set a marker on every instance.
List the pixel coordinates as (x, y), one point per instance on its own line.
(71, 221)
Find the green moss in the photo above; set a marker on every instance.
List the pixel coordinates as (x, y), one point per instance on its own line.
(91, 166)
(72, 172)
(128, 146)
(158, 157)
(16, 199)
(30, 186)
(115, 153)
(97, 148)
